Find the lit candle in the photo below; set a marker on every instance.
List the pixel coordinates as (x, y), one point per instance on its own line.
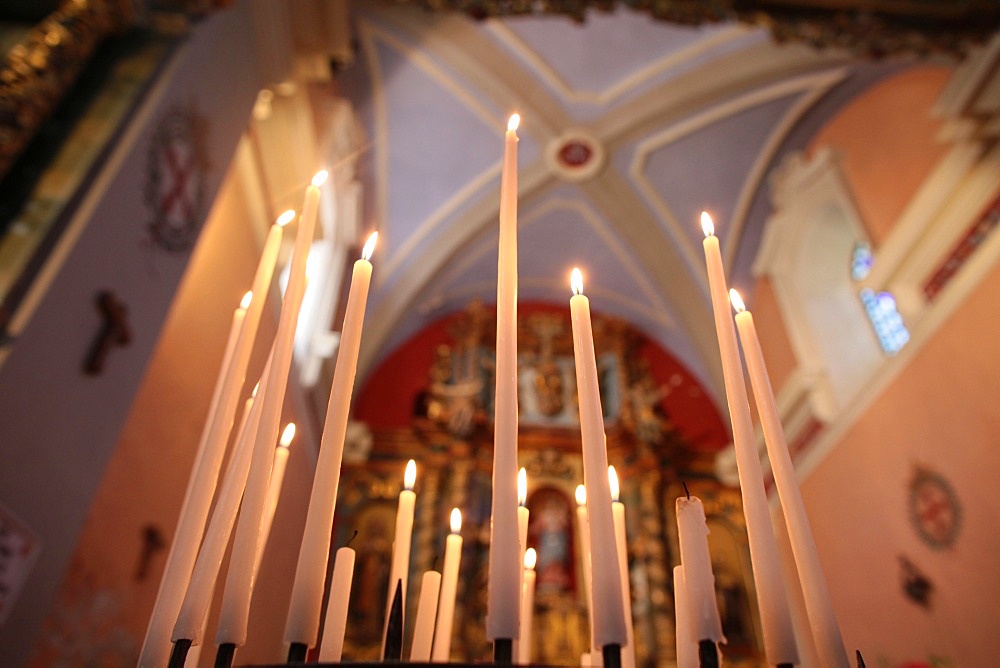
(274, 489)
(193, 614)
(208, 459)
(522, 526)
(235, 611)
(449, 584)
(423, 625)
(618, 514)
(527, 606)
(825, 630)
(400, 565)
(776, 617)
(302, 623)
(504, 564)
(687, 648)
(583, 525)
(609, 620)
(332, 647)
(692, 531)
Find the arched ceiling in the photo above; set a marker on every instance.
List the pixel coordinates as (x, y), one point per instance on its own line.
(686, 119)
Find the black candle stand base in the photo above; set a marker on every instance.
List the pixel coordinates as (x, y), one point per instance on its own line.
(708, 654)
(612, 655)
(503, 652)
(297, 652)
(224, 655)
(178, 655)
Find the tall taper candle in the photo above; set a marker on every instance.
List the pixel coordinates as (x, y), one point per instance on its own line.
(441, 651)
(302, 623)
(692, 533)
(687, 646)
(423, 624)
(609, 621)
(193, 613)
(504, 563)
(274, 490)
(825, 630)
(772, 599)
(332, 647)
(621, 543)
(583, 526)
(400, 566)
(235, 611)
(527, 606)
(208, 460)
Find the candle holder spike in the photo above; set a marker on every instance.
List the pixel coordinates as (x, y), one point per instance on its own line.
(297, 652)
(224, 655)
(178, 655)
(503, 651)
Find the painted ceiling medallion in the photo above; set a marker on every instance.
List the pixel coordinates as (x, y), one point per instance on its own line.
(934, 508)
(575, 155)
(176, 166)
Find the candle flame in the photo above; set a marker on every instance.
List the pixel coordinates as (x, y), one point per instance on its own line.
(613, 483)
(319, 178)
(247, 298)
(707, 226)
(522, 486)
(576, 281)
(287, 435)
(366, 252)
(530, 558)
(737, 301)
(581, 495)
(410, 477)
(285, 218)
(456, 520)
(514, 121)
(255, 388)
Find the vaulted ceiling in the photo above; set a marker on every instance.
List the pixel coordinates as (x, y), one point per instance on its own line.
(630, 128)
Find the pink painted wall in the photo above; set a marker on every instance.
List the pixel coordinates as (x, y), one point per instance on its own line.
(885, 161)
(941, 414)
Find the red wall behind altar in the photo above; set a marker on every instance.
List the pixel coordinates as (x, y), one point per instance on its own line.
(386, 399)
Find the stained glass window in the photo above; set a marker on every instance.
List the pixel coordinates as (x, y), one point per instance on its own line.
(885, 318)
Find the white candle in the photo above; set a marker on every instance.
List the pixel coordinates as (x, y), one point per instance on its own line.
(687, 647)
(302, 623)
(193, 614)
(703, 612)
(208, 460)
(423, 625)
(583, 526)
(235, 611)
(504, 563)
(618, 514)
(400, 565)
(449, 584)
(527, 606)
(772, 599)
(522, 526)
(274, 490)
(825, 630)
(332, 647)
(609, 621)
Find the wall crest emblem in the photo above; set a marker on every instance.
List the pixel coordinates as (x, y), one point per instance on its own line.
(176, 167)
(934, 508)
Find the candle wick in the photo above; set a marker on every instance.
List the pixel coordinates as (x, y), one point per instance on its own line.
(353, 536)
(688, 493)
(434, 563)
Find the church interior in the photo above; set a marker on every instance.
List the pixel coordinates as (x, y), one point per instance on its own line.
(846, 150)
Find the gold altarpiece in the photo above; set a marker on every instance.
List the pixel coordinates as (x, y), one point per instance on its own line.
(451, 439)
